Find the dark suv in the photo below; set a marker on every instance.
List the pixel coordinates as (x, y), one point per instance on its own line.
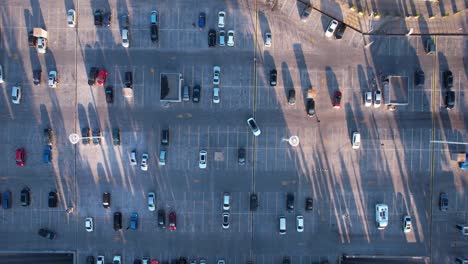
(165, 137)
(109, 94)
(106, 200)
(116, 136)
(37, 76)
(273, 77)
(128, 80)
(25, 197)
(253, 202)
(290, 202)
(196, 94)
(48, 136)
(309, 204)
(53, 199)
(93, 72)
(211, 38)
(98, 18)
(85, 134)
(162, 218)
(448, 79)
(443, 201)
(117, 221)
(46, 233)
(449, 100)
(241, 156)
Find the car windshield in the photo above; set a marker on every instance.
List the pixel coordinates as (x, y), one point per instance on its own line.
(252, 124)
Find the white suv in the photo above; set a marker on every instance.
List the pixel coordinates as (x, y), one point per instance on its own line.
(381, 216)
(41, 45)
(221, 18)
(151, 201)
(71, 18)
(356, 140)
(125, 38)
(53, 80)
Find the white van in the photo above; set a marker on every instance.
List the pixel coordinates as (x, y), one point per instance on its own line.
(381, 216)
(226, 201)
(282, 225)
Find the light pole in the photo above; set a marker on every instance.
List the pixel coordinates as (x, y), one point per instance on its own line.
(293, 140)
(75, 138)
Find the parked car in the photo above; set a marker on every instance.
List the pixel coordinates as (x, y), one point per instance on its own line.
(291, 97)
(20, 157)
(165, 137)
(16, 94)
(300, 223)
(117, 221)
(53, 79)
(162, 157)
(273, 77)
(154, 33)
(226, 201)
(331, 28)
(407, 224)
(133, 160)
(85, 135)
(47, 154)
(202, 159)
(134, 221)
(216, 98)
(367, 99)
(53, 199)
(1, 74)
(48, 136)
(107, 19)
(125, 38)
(90, 260)
(117, 260)
(109, 94)
(100, 260)
(221, 18)
(337, 99)
(162, 218)
(37, 77)
(186, 95)
(230, 41)
(211, 38)
(449, 100)
(222, 38)
(356, 142)
(225, 220)
(310, 107)
(128, 79)
(340, 31)
(443, 201)
(106, 200)
(89, 225)
(201, 20)
(41, 44)
(241, 156)
(144, 162)
(253, 202)
(6, 200)
(102, 76)
(116, 136)
(46, 233)
(25, 197)
(216, 73)
(306, 13)
(98, 17)
(154, 17)
(97, 136)
(71, 18)
(377, 99)
(309, 204)
(419, 77)
(268, 39)
(448, 79)
(290, 202)
(172, 221)
(32, 40)
(152, 201)
(253, 127)
(196, 94)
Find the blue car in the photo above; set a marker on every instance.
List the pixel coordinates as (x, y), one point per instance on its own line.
(134, 221)
(201, 20)
(47, 157)
(6, 200)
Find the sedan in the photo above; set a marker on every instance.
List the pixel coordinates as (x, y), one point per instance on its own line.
(53, 80)
(41, 45)
(367, 99)
(222, 38)
(253, 127)
(309, 204)
(331, 28)
(202, 159)
(406, 224)
(144, 162)
(71, 18)
(225, 220)
(25, 197)
(125, 38)
(201, 20)
(89, 224)
(102, 76)
(37, 77)
(154, 33)
(1, 74)
(46, 233)
(52, 201)
(419, 77)
(96, 136)
(268, 39)
(273, 77)
(216, 99)
(356, 143)
(230, 41)
(98, 18)
(448, 79)
(221, 18)
(300, 223)
(16, 95)
(449, 100)
(211, 38)
(109, 94)
(85, 135)
(377, 99)
(253, 202)
(20, 157)
(107, 19)
(241, 156)
(310, 107)
(100, 260)
(172, 221)
(151, 201)
(133, 160)
(337, 99)
(216, 72)
(196, 94)
(443, 202)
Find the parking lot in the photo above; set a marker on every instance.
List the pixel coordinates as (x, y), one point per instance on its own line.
(396, 164)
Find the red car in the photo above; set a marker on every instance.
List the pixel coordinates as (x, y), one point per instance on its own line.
(337, 99)
(154, 261)
(20, 157)
(172, 221)
(101, 78)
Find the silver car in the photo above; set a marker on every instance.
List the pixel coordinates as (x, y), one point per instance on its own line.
(133, 160)
(230, 41)
(222, 38)
(202, 159)
(144, 162)
(216, 99)
(151, 201)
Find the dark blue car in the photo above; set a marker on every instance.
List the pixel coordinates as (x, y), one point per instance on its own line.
(6, 200)
(202, 20)
(47, 156)
(134, 221)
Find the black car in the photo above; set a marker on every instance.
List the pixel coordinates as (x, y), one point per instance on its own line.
(241, 156)
(48, 136)
(443, 202)
(340, 31)
(107, 19)
(196, 94)
(253, 202)
(291, 97)
(25, 197)
(211, 38)
(286, 260)
(449, 100)
(306, 13)
(90, 260)
(128, 79)
(97, 136)
(137, 261)
(448, 79)
(37, 77)
(182, 260)
(93, 72)
(116, 136)
(117, 221)
(165, 137)
(32, 40)
(309, 204)
(46, 233)
(162, 218)
(85, 134)
(53, 199)
(6, 200)
(273, 77)
(106, 200)
(418, 77)
(290, 202)
(310, 107)
(109, 94)
(98, 17)
(154, 33)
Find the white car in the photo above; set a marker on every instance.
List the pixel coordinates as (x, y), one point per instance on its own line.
(377, 99)
(1, 74)
(41, 45)
(221, 18)
(100, 260)
(230, 41)
(268, 39)
(144, 162)
(162, 157)
(221, 261)
(133, 160)
(16, 94)
(89, 224)
(216, 99)
(117, 260)
(216, 72)
(406, 224)
(367, 99)
(125, 38)
(53, 80)
(151, 201)
(71, 18)
(225, 220)
(331, 28)
(154, 17)
(300, 223)
(222, 38)
(202, 159)
(356, 140)
(253, 127)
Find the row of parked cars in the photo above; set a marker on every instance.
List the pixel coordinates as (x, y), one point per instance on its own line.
(147, 260)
